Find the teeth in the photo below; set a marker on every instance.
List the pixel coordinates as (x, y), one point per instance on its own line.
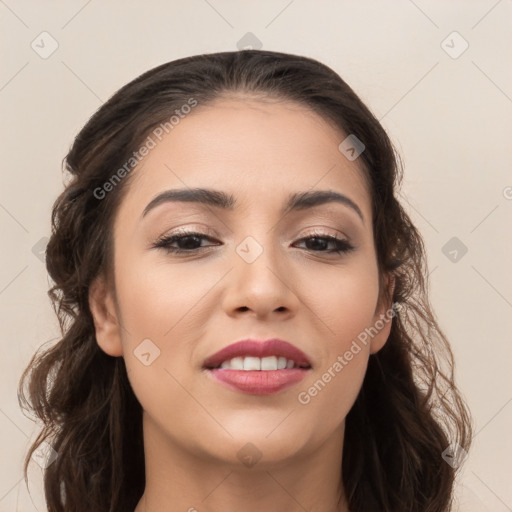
(256, 363)
(252, 363)
(281, 363)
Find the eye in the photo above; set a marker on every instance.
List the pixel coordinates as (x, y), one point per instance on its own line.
(319, 241)
(188, 242)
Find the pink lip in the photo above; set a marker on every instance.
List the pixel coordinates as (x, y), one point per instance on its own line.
(258, 382)
(255, 348)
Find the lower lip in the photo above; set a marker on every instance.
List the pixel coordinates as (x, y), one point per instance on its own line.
(258, 382)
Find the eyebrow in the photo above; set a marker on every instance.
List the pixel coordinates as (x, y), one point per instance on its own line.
(296, 201)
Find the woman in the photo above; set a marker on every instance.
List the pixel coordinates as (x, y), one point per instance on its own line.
(243, 305)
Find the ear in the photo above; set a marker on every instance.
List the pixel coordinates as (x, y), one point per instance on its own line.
(106, 324)
(384, 314)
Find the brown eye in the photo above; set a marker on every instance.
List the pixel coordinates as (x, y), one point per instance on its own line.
(319, 243)
(187, 242)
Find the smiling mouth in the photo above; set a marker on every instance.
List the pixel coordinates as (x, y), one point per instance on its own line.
(251, 363)
(254, 355)
(256, 376)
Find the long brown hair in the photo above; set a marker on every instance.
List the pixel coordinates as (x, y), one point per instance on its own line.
(408, 411)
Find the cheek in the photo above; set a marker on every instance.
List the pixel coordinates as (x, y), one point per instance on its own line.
(156, 296)
(163, 314)
(335, 384)
(159, 322)
(346, 304)
(345, 299)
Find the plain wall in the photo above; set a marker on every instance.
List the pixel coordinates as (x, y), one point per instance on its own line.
(448, 114)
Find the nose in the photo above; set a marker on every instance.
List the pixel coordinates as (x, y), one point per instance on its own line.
(263, 287)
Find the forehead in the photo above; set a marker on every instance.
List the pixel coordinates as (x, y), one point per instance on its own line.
(258, 151)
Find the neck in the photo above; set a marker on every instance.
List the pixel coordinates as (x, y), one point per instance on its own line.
(180, 480)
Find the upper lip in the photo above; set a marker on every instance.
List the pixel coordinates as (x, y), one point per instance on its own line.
(257, 348)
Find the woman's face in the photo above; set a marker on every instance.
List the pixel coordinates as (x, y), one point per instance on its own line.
(250, 275)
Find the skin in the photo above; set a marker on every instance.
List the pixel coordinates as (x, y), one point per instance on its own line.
(192, 306)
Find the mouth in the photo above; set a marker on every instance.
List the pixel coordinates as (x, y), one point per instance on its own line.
(258, 367)
(249, 363)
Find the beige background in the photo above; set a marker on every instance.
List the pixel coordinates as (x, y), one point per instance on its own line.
(450, 116)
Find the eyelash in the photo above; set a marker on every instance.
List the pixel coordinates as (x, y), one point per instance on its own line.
(342, 246)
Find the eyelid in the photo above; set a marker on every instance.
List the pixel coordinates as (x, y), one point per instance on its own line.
(208, 232)
(189, 230)
(325, 231)
(343, 243)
